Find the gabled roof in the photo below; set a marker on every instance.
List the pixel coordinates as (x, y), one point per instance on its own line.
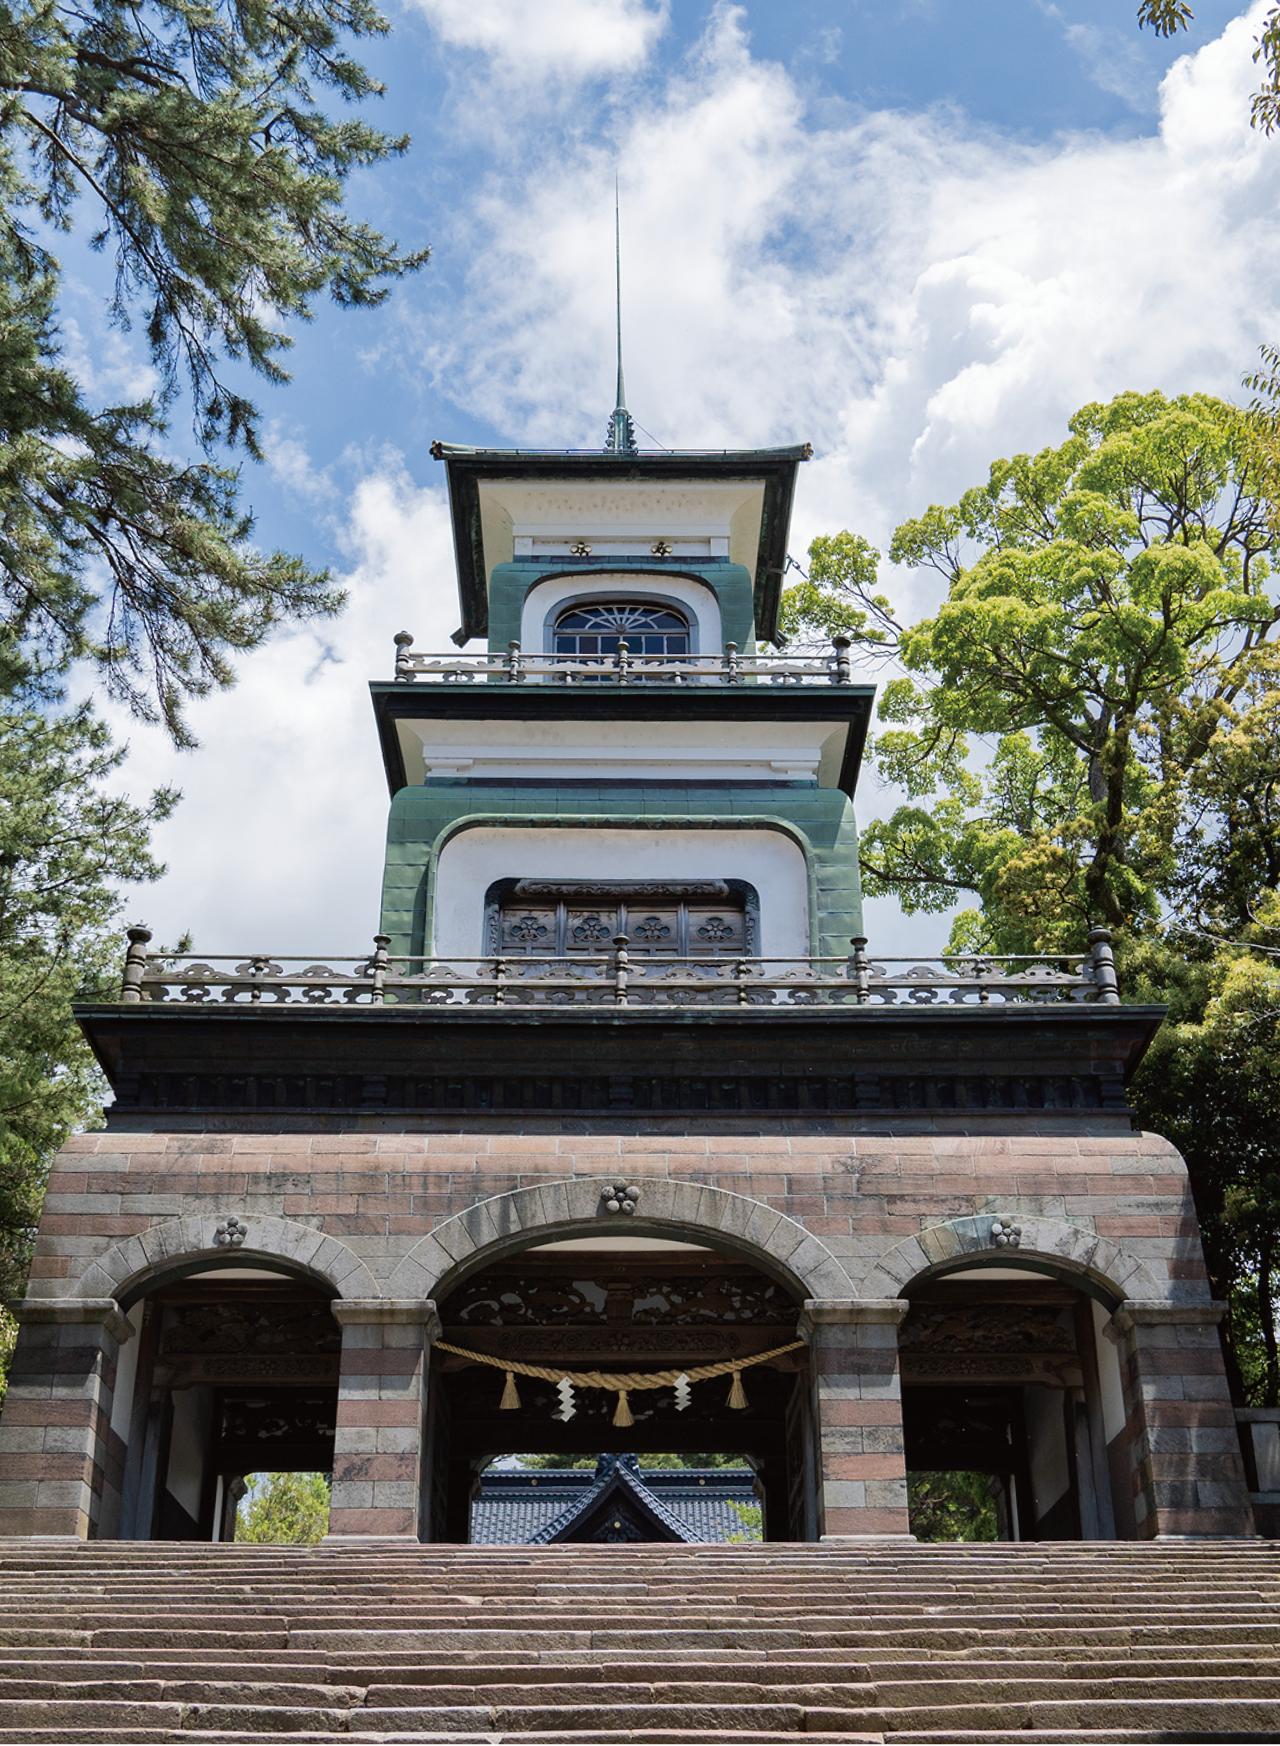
(617, 1482)
(467, 468)
(694, 1505)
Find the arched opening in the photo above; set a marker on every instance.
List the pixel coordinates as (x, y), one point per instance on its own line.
(648, 627)
(634, 1304)
(1012, 1405)
(233, 1370)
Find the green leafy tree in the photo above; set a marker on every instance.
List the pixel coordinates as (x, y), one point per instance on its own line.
(951, 1506)
(66, 845)
(1210, 1084)
(1108, 610)
(195, 141)
(1088, 729)
(215, 181)
(284, 1509)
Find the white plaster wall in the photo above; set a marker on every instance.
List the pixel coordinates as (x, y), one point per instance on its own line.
(192, 1410)
(655, 751)
(1109, 1378)
(1046, 1449)
(701, 602)
(473, 859)
(126, 1374)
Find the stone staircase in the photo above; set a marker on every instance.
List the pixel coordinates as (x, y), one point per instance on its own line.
(140, 1642)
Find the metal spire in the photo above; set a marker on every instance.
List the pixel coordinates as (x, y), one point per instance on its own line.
(621, 439)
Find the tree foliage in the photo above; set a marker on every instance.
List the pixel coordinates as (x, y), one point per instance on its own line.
(284, 1509)
(951, 1506)
(214, 180)
(1106, 644)
(1088, 729)
(1168, 17)
(65, 846)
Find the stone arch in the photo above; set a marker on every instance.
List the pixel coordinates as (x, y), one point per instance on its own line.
(576, 1207)
(1064, 1248)
(149, 1256)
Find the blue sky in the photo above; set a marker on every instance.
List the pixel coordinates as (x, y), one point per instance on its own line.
(917, 235)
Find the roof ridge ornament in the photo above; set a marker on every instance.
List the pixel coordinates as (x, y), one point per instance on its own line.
(621, 438)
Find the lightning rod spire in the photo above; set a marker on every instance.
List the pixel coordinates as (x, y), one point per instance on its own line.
(621, 439)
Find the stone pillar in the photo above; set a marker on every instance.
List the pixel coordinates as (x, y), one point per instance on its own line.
(1184, 1454)
(862, 1474)
(382, 1398)
(60, 1479)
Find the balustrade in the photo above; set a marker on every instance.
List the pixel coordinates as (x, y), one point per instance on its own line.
(625, 667)
(620, 978)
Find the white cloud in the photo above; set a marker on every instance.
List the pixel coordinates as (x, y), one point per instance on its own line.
(278, 843)
(912, 294)
(558, 39)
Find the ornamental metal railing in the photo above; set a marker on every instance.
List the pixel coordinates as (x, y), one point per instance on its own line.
(626, 666)
(619, 978)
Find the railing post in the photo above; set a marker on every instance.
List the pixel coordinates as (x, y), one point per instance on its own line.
(135, 964)
(732, 676)
(499, 981)
(515, 665)
(622, 661)
(378, 965)
(404, 642)
(1104, 966)
(621, 966)
(859, 968)
(741, 971)
(257, 970)
(843, 673)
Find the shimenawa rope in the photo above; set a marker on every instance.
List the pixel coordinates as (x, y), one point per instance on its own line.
(623, 1383)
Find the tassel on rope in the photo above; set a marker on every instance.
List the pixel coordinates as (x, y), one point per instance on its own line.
(510, 1401)
(622, 1412)
(737, 1394)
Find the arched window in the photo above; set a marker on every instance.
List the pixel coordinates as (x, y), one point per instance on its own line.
(596, 627)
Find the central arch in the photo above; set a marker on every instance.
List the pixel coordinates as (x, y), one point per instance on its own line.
(578, 1207)
(561, 1276)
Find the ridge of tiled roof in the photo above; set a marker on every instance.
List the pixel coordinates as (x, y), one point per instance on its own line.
(621, 1474)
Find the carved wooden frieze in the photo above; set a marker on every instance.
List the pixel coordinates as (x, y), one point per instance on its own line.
(964, 1329)
(248, 1330)
(1010, 1343)
(236, 1369)
(729, 1299)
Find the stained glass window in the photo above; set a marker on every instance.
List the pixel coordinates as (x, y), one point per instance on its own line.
(597, 627)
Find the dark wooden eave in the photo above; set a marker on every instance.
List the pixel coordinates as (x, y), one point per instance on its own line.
(466, 467)
(374, 1049)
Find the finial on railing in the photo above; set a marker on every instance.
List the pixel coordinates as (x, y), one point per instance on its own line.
(623, 661)
(1104, 966)
(404, 642)
(378, 967)
(859, 967)
(731, 673)
(843, 674)
(135, 963)
(515, 665)
(621, 966)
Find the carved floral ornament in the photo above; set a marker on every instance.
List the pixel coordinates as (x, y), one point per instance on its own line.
(1006, 1235)
(230, 1233)
(621, 1199)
